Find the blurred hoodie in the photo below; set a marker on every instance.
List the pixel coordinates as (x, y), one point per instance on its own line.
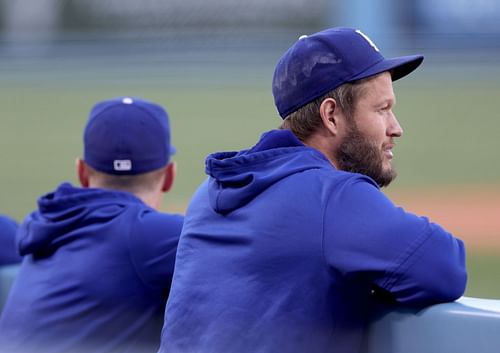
(95, 276)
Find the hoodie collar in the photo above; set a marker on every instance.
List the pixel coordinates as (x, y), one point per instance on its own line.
(62, 212)
(238, 177)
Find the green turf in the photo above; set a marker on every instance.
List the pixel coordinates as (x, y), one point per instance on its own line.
(484, 275)
(451, 135)
(41, 132)
(451, 132)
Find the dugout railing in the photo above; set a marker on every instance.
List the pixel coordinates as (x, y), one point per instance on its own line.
(468, 325)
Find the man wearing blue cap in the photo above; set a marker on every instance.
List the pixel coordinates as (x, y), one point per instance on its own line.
(8, 253)
(98, 260)
(288, 244)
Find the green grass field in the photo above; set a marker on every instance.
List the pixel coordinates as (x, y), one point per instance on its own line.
(451, 133)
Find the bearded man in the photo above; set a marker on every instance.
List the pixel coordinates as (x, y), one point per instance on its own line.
(289, 244)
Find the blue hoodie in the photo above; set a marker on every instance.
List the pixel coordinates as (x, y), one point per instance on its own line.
(8, 252)
(281, 252)
(95, 276)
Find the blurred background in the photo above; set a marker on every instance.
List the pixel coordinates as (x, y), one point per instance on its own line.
(210, 63)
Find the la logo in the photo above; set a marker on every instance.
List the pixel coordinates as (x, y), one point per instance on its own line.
(367, 39)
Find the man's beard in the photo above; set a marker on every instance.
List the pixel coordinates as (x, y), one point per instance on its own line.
(357, 154)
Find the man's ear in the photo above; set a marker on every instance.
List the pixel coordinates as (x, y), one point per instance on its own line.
(82, 172)
(170, 172)
(330, 115)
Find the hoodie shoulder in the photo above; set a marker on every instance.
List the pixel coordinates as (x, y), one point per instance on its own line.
(152, 244)
(69, 214)
(236, 178)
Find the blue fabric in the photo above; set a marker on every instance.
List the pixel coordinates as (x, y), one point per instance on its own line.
(95, 277)
(8, 252)
(281, 252)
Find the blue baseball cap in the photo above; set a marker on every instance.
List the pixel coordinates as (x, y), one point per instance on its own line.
(319, 63)
(127, 136)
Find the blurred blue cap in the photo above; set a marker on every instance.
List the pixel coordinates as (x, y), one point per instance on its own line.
(319, 63)
(127, 136)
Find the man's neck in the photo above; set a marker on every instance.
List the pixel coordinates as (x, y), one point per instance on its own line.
(322, 145)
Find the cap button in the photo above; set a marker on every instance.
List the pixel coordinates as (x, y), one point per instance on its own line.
(303, 36)
(127, 100)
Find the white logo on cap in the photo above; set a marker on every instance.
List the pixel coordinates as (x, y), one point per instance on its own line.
(127, 100)
(122, 164)
(367, 39)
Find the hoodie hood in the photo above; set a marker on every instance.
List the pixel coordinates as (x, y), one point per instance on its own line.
(238, 177)
(64, 213)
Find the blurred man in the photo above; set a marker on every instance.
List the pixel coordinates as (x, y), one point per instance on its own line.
(287, 244)
(98, 260)
(8, 252)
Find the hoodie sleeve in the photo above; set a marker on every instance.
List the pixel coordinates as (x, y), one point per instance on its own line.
(367, 237)
(153, 245)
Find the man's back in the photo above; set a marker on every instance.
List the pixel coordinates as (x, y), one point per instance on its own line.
(248, 276)
(95, 276)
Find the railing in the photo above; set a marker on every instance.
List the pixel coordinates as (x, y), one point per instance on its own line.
(469, 325)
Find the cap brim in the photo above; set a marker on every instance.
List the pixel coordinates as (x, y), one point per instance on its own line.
(399, 67)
